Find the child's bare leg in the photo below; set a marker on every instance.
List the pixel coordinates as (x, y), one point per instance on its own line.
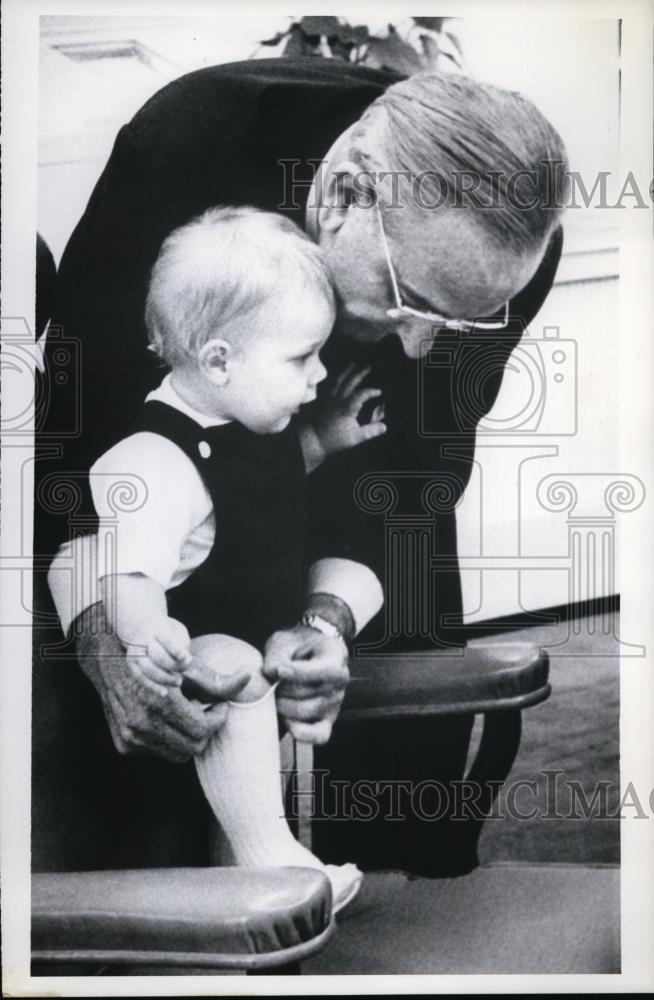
(240, 772)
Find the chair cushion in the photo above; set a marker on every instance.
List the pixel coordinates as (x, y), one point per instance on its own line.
(509, 918)
(221, 917)
(479, 678)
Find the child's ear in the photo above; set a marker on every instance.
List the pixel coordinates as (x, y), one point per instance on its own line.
(214, 360)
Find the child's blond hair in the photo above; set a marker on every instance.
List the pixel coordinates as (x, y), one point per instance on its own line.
(221, 265)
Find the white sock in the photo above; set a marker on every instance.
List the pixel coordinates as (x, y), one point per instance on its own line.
(240, 774)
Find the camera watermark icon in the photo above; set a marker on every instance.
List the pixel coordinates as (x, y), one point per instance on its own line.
(42, 387)
(539, 379)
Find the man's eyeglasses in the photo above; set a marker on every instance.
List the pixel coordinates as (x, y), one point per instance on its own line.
(401, 309)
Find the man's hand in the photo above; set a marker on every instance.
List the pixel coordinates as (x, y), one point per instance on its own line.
(141, 720)
(313, 672)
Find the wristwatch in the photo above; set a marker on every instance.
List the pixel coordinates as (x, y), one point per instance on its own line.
(312, 620)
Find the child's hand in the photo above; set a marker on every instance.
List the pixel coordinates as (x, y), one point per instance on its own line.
(335, 421)
(159, 653)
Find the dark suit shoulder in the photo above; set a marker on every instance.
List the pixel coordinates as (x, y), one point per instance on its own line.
(227, 93)
(251, 75)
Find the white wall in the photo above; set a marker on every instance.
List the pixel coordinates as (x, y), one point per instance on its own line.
(566, 429)
(570, 69)
(81, 109)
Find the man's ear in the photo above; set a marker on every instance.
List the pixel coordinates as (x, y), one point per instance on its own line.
(214, 360)
(346, 185)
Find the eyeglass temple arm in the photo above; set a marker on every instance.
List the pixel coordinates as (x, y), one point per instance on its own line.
(448, 324)
(389, 262)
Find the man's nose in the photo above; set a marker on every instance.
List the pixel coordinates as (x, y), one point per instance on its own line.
(319, 372)
(416, 339)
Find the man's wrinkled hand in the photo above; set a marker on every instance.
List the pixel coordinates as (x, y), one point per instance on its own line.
(312, 670)
(140, 719)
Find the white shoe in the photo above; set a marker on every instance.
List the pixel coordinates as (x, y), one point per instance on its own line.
(346, 881)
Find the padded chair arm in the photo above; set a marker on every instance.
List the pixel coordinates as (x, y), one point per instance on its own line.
(486, 677)
(223, 918)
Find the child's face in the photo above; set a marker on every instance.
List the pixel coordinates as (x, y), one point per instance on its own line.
(276, 367)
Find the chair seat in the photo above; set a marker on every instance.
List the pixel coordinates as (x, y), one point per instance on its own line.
(481, 678)
(217, 917)
(502, 919)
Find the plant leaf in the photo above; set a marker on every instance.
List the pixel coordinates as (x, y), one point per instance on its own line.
(275, 40)
(353, 34)
(328, 26)
(431, 23)
(297, 44)
(393, 53)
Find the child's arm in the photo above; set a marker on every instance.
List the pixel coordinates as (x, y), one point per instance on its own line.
(334, 425)
(157, 647)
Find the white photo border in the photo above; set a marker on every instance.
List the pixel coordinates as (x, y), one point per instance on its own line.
(635, 362)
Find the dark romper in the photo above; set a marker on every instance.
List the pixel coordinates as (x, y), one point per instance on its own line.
(251, 583)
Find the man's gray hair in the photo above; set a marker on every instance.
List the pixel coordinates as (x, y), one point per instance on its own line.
(450, 132)
(221, 265)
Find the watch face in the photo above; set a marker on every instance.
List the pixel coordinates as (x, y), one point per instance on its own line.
(320, 625)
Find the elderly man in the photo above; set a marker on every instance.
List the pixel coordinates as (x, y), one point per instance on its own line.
(435, 201)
